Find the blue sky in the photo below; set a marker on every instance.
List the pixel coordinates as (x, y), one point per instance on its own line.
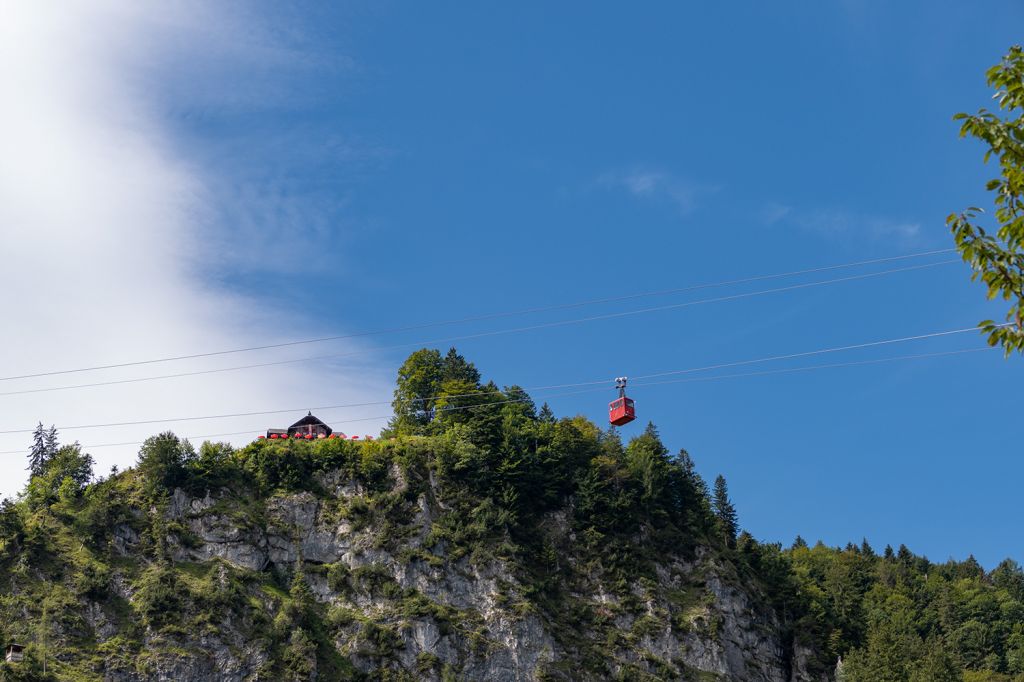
(357, 166)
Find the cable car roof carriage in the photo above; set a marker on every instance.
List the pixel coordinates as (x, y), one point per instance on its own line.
(621, 411)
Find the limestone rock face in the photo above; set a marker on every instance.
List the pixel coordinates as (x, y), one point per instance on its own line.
(217, 662)
(421, 611)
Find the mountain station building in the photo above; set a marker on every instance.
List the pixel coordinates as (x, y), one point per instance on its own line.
(309, 427)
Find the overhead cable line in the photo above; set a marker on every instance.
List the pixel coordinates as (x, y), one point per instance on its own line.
(722, 377)
(479, 318)
(855, 346)
(348, 421)
(691, 370)
(791, 370)
(498, 332)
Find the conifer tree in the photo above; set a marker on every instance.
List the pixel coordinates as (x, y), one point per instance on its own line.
(725, 511)
(647, 460)
(937, 666)
(1009, 576)
(455, 367)
(690, 494)
(611, 444)
(37, 454)
(696, 481)
(50, 441)
(44, 447)
(299, 590)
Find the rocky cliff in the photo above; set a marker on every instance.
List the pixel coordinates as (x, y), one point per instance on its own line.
(470, 619)
(480, 539)
(397, 561)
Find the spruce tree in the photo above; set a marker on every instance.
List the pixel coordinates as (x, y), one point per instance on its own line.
(37, 454)
(936, 666)
(647, 460)
(1009, 576)
(50, 440)
(455, 367)
(725, 511)
(44, 447)
(696, 481)
(691, 494)
(299, 591)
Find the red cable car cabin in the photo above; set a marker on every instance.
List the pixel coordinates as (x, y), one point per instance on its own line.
(621, 411)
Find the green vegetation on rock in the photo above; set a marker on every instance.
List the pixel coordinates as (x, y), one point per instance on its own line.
(481, 539)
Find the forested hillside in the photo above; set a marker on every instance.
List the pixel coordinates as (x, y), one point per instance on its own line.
(480, 538)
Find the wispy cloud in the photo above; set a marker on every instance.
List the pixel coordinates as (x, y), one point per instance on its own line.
(773, 213)
(656, 185)
(842, 224)
(108, 217)
(293, 188)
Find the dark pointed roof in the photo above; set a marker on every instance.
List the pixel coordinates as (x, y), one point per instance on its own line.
(308, 420)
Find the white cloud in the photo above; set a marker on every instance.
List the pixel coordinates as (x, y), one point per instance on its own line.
(773, 213)
(905, 229)
(264, 200)
(844, 225)
(845, 222)
(105, 227)
(645, 183)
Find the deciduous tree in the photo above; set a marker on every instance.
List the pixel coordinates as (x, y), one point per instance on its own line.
(998, 259)
(162, 460)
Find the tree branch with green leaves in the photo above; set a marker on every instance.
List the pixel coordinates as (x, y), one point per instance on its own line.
(998, 259)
